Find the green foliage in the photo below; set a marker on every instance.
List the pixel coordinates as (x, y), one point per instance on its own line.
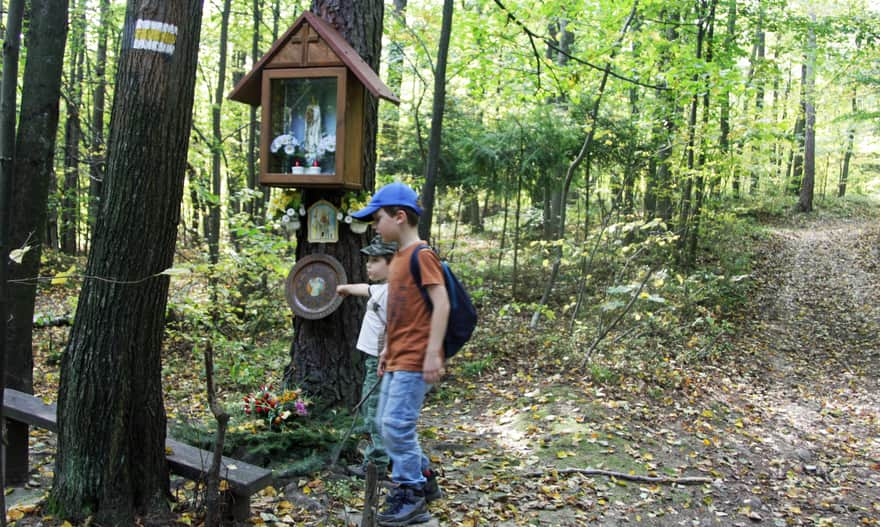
(307, 444)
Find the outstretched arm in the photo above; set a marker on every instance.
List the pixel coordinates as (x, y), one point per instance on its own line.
(353, 290)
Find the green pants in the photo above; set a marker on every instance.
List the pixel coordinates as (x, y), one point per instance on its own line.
(375, 451)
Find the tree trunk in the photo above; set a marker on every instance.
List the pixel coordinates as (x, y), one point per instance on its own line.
(847, 156)
(699, 187)
(724, 124)
(665, 134)
(687, 184)
(797, 164)
(255, 207)
(805, 201)
(98, 155)
(324, 360)
(8, 95)
(395, 81)
(760, 46)
(73, 133)
(51, 240)
(111, 417)
(35, 154)
(217, 137)
(433, 161)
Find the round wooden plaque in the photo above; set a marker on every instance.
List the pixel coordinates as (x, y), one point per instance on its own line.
(310, 287)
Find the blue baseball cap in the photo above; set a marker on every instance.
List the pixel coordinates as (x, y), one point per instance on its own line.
(391, 195)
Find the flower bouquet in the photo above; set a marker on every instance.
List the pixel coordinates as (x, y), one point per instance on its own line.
(275, 410)
(287, 206)
(351, 203)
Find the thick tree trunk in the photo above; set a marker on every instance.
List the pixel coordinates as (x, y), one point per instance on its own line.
(111, 417)
(324, 360)
(35, 153)
(433, 162)
(98, 155)
(805, 201)
(8, 96)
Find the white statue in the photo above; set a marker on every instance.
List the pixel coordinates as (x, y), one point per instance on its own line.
(312, 140)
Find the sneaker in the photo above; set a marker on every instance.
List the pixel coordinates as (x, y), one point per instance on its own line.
(404, 506)
(432, 488)
(360, 471)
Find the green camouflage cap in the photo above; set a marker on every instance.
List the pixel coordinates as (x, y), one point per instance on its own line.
(379, 247)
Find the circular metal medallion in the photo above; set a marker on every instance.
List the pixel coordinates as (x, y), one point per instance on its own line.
(310, 287)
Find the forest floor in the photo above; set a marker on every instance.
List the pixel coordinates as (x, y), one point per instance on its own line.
(784, 426)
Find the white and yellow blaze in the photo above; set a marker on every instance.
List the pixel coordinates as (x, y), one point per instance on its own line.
(153, 35)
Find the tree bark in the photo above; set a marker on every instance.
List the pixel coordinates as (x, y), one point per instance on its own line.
(8, 96)
(255, 207)
(217, 137)
(805, 201)
(699, 188)
(324, 361)
(35, 153)
(111, 416)
(433, 162)
(98, 155)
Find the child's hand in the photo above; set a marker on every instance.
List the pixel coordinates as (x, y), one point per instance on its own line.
(343, 290)
(381, 369)
(432, 368)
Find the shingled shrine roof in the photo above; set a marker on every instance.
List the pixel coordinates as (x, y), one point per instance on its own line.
(311, 42)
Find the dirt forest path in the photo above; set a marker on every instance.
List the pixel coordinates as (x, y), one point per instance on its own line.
(786, 425)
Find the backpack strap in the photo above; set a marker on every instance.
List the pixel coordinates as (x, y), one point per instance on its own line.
(416, 270)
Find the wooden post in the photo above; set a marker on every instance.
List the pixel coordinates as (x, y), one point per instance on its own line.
(371, 496)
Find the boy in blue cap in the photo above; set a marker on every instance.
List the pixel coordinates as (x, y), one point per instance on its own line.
(413, 357)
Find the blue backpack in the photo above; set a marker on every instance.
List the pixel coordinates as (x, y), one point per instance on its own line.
(462, 315)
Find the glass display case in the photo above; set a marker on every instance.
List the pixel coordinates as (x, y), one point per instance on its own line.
(303, 126)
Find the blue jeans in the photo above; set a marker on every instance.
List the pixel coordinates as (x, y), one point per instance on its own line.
(400, 404)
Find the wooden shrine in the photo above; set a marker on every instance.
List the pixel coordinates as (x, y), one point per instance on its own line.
(311, 86)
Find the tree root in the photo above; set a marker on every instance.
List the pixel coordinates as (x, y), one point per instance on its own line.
(621, 475)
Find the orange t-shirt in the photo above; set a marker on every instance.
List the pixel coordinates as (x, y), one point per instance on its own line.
(409, 318)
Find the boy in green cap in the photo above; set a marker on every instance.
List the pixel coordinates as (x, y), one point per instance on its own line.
(371, 340)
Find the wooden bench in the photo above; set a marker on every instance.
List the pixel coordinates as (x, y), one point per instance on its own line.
(185, 460)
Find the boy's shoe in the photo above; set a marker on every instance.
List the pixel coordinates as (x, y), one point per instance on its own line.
(432, 488)
(404, 506)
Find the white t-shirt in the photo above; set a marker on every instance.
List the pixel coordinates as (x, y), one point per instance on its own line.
(375, 319)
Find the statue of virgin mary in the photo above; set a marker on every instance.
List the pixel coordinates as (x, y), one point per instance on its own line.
(312, 139)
